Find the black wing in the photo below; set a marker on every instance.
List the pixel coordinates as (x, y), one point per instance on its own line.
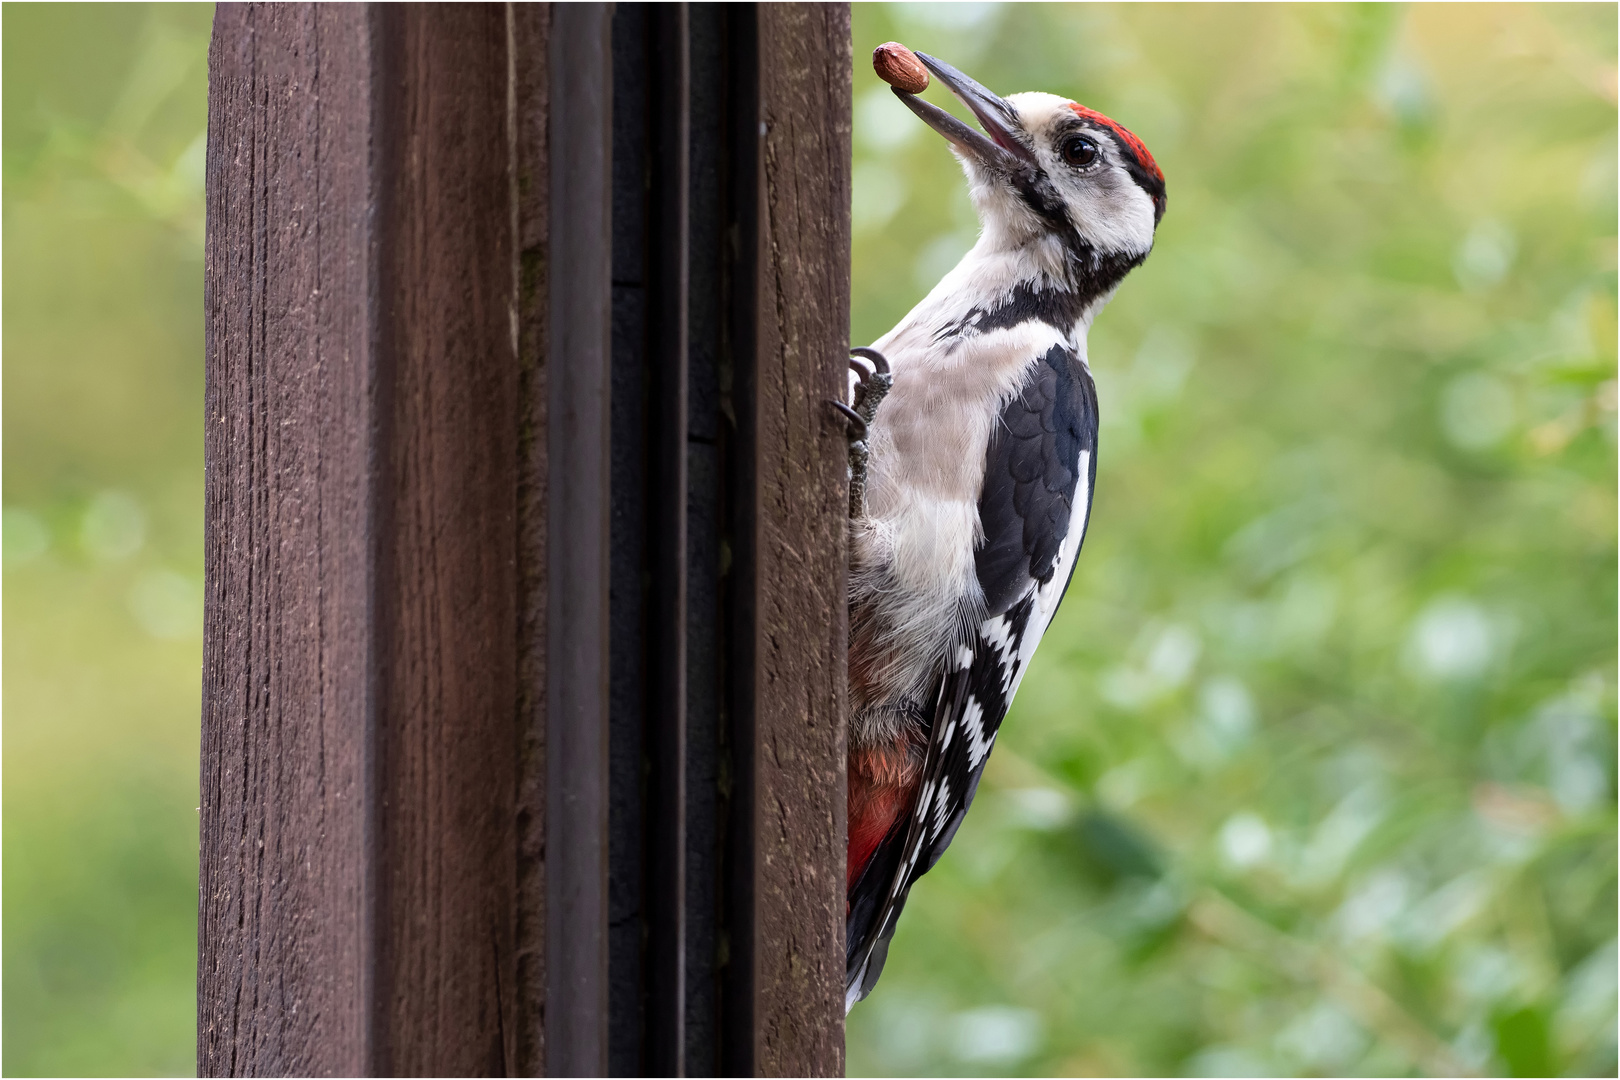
(1032, 498)
(1027, 504)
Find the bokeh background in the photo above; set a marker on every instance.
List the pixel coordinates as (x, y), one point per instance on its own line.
(104, 112)
(1315, 771)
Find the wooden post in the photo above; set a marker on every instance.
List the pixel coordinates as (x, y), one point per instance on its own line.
(799, 536)
(523, 680)
(360, 732)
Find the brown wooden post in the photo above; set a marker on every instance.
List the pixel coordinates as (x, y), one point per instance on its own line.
(365, 754)
(800, 540)
(408, 546)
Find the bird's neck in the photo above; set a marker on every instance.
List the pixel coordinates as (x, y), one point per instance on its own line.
(1042, 277)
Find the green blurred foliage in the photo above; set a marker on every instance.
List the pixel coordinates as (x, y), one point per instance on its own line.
(1314, 772)
(104, 114)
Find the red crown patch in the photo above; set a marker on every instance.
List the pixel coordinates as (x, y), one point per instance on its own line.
(1143, 157)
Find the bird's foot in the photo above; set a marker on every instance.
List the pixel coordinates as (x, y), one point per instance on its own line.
(859, 453)
(874, 382)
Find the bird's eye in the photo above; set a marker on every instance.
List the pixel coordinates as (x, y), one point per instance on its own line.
(1078, 150)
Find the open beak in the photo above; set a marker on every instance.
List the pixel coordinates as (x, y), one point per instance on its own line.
(1002, 149)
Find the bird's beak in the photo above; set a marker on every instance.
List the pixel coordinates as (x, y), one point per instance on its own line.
(1003, 149)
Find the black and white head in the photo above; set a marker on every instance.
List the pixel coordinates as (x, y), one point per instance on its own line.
(1049, 171)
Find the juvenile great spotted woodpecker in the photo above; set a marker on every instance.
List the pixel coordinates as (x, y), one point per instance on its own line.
(973, 454)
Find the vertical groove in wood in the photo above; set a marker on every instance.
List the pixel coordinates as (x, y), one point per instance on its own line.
(647, 901)
(709, 498)
(740, 306)
(800, 539)
(668, 254)
(578, 428)
(631, 545)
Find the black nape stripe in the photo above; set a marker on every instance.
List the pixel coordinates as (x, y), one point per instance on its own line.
(1028, 301)
(1093, 276)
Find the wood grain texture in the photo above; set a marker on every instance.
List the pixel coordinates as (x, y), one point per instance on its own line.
(800, 539)
(363, 735)
(285, 951)
(444, 845)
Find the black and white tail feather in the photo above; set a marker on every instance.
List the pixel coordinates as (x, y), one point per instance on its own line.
(1043, 453)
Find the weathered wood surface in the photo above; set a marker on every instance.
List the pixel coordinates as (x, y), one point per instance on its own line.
(363, 729)
(800, 539)
(285, 953)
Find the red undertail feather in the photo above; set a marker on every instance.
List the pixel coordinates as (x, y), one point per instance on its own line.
(882, 783)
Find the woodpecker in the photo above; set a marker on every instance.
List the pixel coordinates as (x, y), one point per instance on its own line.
(973, 442)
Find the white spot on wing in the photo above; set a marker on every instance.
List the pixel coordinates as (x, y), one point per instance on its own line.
(997, 632)
(942, 806)
(973, 724)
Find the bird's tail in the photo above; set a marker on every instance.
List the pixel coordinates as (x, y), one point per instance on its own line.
(867, 933)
